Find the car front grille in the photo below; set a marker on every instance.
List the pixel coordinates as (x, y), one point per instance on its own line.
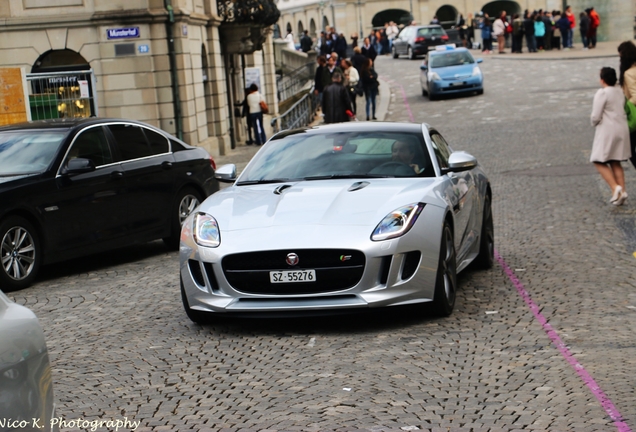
(336, 270)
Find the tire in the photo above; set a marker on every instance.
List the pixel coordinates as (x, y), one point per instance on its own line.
(480, 92)
(195, 316)
(431, 96)
(486, 257)
(394, 52)
(446, 280)
(187, 200)
(20, 253)
(409, 53)
(424, 92)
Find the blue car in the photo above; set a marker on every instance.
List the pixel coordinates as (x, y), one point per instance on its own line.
(450, 70)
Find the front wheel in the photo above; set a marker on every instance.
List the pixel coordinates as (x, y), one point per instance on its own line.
(195, 316)
(20, 252)
(394, 52)
(410, 54)
(446, 280)
(187, 200)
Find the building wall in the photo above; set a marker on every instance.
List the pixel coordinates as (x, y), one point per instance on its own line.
(617, 17)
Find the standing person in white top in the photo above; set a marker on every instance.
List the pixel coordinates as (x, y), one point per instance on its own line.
(391, 32)
(611, 138)
(290, 41)
(499, 31)
(256, 114)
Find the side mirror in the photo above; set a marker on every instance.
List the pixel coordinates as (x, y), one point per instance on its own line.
(226, 173)
(423, 67)
(480, 60)
(460, 161)
(79, 166)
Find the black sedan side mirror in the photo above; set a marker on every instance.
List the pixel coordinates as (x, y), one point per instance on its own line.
(423, 67)
(79, 166)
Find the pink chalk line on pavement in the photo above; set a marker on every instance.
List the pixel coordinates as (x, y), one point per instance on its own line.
(596, 390)
(605, 401)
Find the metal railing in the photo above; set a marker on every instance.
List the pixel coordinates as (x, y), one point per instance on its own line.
(62, 94)
(300, 114)
(291, 84)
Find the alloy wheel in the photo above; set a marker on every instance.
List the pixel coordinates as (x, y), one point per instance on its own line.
(186, 206)
(18, 253)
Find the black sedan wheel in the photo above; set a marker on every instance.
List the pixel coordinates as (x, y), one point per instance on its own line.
(187, 200)
(19, 252)
(409, 53)
(486, 257)
(446, 281)
(394, 52)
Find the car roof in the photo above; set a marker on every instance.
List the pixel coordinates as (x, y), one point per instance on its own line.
(64, 124)
(379, 127)
(449, 51)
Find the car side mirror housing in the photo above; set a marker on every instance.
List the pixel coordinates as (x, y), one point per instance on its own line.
(423, 67)
(79, 166)
(480, 60)
(226, 173)
(460, 161)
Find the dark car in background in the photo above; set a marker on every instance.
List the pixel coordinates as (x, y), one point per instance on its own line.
(79, 186)
(417, 40)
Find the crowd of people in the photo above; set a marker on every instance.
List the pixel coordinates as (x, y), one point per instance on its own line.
(345, 72)
(542, 30)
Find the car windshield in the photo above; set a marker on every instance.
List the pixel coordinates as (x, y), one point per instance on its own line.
(431, 31)
(451, 59)
(315, 156)
(28, 151)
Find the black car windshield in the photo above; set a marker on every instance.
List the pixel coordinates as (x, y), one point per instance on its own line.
(450, 59)
(28, 151)
(336, 155)
(431, 31)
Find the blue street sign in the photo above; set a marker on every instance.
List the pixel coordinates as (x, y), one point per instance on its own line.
(143, 48)
(123, 33)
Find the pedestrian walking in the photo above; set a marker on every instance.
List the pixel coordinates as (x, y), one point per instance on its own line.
(584, 28)
(391, 33)
(351, 80)
(330, 69)
(245, 112)
(499, 32)
(336, 101)
(611, 139)
(627, 80)
(358, 59)
(305, 42)
(370, 84)
(318, 85)
(340, 46)
(256, 102)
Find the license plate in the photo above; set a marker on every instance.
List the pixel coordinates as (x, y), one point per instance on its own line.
(292, 276)
(456, 84)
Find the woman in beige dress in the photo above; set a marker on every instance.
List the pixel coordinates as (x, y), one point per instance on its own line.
(611, 138)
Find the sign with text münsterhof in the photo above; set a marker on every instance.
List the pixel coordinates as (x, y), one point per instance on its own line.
(123, 33)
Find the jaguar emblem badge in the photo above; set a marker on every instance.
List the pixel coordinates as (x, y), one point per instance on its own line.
(292, 259)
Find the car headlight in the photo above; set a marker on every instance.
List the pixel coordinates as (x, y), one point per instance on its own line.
(206, 230)
(433, 76)
(397, 223)
(476, 71)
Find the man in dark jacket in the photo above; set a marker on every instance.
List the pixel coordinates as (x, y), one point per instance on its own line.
(305, 42)
(528, 30)
(329, 70)
(336, 101)
(322, 64)
(358, 59)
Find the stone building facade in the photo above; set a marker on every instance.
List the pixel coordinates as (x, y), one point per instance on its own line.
(360, 16)
(159, 61)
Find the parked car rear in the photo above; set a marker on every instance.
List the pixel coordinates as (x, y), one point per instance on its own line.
(414, 41)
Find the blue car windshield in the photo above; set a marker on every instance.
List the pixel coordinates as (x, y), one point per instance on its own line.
(317, 156)
(450, 59)
(28, 151)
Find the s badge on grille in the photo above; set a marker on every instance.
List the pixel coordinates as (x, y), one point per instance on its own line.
(292, 259)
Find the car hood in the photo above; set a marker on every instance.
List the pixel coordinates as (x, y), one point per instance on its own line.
(11, 178)
(455, 72)
(319, 202)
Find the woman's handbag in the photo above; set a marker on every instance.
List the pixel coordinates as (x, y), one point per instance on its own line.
(264, 107)
(630, 110)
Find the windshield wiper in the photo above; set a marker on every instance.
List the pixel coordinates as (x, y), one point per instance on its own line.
(346, 176)
(265, 181)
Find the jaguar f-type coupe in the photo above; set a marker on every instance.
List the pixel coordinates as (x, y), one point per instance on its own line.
(338, 217)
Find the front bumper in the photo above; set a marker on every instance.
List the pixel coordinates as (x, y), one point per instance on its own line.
(466, 85)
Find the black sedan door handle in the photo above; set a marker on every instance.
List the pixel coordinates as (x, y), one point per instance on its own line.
(117, 174)
(166, 165)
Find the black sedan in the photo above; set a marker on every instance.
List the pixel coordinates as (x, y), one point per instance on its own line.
(79, 186)
(418, 40)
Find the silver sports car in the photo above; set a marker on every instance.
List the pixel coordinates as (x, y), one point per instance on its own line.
(338, 217)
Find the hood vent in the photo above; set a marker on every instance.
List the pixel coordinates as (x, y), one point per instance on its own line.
(279, 190)
(358, 185)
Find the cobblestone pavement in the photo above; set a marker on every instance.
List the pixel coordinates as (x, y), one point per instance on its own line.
(122, 346)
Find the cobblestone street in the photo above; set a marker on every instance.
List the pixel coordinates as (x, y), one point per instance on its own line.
(543, 342)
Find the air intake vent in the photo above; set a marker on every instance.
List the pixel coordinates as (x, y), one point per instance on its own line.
(411, 261)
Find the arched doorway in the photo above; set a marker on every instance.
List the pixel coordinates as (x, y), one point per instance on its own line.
(301, 29)
(398, 16)
(288, 28)
(325, 23)
(312, 28)
(61, 86)
(447, 16)
(494, 8)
